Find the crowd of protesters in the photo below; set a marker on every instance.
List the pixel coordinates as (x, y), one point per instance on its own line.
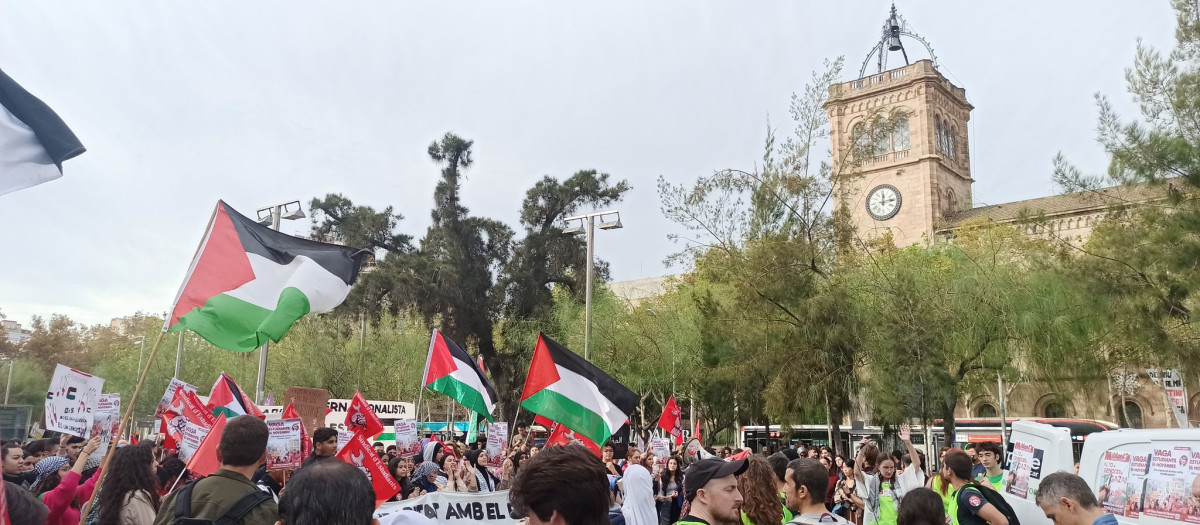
(52, 482)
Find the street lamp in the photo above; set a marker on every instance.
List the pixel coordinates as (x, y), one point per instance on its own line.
(8, 386)
(291, 211)
(610, 224)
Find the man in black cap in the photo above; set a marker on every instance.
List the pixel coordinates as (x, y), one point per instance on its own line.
(712, 491)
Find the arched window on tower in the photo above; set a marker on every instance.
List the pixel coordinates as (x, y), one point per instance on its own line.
(937, 127)
(882, 137)
(860, 138)
(952, 141)
(900, 134)
(1055, 409)
(1131, 416)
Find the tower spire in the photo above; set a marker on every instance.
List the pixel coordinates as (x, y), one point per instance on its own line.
(889, 41)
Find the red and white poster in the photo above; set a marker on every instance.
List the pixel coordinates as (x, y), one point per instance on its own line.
(1114, 476)
(661, 448)
(189, 438)
(174, 385)
(497, 443)
(408, 441)
(1135, 485)
(283, 444)
(1020, 468)
(107, 421)
(1168, 486)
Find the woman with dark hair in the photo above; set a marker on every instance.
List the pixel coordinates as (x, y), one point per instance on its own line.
(921, 506)
(424, 480)
(760, 502)
(172, 474)
(130, 494)
(401, 468)
(484, 479)
(58, 487)
(670, 486)
(843, 501)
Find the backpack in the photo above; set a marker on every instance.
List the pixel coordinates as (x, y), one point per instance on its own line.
(239, 510)
(995, 499)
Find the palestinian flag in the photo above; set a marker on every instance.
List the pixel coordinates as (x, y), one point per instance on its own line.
(565, 388)
(226, 398)
(450, 370)
(249, 283)
(34, 141)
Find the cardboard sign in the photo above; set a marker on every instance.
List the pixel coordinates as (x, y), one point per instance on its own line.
(283, 444)
(310, 403)
(107, 421)
(497, 443)
(71, 401)
(408, 441)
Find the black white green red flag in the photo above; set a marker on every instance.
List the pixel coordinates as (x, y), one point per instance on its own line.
(248, 283)
(567, 389)
(450, 370)
(229, 399)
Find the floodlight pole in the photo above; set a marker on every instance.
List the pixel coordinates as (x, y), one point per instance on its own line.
(590, 231)
(276, 216)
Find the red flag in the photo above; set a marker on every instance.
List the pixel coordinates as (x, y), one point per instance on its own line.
(671, 421)
(696, 434)
(204, 461)
(358, 452)
(306, 444)
(361, 418)
(544, 421)
(561, 435)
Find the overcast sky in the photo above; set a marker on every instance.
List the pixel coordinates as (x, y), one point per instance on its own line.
(184, 103)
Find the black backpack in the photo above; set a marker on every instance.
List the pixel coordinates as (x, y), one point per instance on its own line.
(183, 507)
(996, 499)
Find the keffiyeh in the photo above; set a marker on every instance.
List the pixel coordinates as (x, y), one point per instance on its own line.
(47, 466)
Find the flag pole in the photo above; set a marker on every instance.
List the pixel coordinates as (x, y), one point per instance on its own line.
(112, 446)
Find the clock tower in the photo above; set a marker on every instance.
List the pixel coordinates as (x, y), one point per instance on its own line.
(900, 144)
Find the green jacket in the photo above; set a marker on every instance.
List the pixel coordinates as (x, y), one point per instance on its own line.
(216, 494)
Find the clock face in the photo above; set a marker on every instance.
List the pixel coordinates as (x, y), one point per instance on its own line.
(883, 202)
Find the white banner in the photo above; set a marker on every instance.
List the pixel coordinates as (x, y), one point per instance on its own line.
(446, 508)
(71, 401)
(1172, 383)
(107, 421)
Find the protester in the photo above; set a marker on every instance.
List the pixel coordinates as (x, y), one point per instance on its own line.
(1066, 499)
(508, 470)
(70, 447)
(711, 490)
(759, 496)
(844, 503)
(637, 489)
(779, 463)
(58, 485)
(432, 451)
(42, 448)
(921, 506)
(833, 479)
(884, 489)
(485, 481)
(424, 478)
(172, 474)
(805, 492)
(325, 442)
(328, 493)
(977, 467)
(520, 441)
(401, 470)
(563, 484)
(670, 486)
(610, 464)
(865, 464)
(973, 508)
(456, 476)
(533, 450)
(16, 471)
(989, 459)
(243, 447)
(130, 492)
(22, 507)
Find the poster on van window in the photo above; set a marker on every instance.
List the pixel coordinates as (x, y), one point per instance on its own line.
(1135, 485)
(1169, 483)
(1192, 509)
(1114, 475)
(1020, 469)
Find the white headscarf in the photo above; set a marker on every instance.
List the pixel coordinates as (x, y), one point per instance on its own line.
(639, 508)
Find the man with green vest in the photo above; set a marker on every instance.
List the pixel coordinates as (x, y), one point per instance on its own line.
(711, 489)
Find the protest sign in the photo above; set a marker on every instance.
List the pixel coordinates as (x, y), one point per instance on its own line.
(1020, 468)
(497, 443)
(451, 508)
(283, 444)
(174, 385)
(661, 448)
(1135, 485)
(310, 403)
(190, 437)
(71, 401)
(343, 438)
(1114, 474)
(107, 421)
(408, 441)
(1168, 485)
(1172, 383)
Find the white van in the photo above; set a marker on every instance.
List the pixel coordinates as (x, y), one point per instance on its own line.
(1117, 464)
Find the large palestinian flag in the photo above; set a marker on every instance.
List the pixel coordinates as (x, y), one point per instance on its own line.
(34, 141)
(249, 283)
(564, 387)
(450, 370)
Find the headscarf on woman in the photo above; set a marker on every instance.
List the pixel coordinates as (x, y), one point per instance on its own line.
(487, 481)
(639, 508)
(420, 478)
(48, 465)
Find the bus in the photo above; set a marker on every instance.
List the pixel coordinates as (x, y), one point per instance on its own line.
(983, 430)
(757, 437)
